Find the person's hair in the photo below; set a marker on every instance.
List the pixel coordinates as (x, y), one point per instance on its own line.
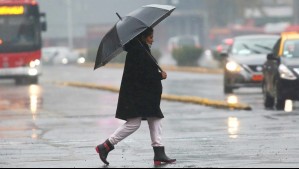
(148, 32)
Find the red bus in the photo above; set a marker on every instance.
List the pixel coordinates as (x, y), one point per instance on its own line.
(21, 26)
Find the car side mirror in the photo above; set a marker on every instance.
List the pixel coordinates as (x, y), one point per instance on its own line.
(271, 56)
(44, 26)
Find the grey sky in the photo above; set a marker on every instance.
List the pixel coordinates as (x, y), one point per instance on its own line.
(86, 12)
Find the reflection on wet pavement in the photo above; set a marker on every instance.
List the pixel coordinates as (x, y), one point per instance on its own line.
(232, 99)
(35, 99)
(17, 104)
(233, 127)
(34, 135)
(24, 97)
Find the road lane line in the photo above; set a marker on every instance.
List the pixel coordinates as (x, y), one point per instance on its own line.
(168, 97)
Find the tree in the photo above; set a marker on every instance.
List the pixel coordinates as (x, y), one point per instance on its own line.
(224, 12)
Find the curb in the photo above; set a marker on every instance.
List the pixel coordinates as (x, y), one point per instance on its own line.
(167, 68)
(176, 98)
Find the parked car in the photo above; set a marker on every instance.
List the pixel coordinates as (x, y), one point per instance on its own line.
(60, 55)
(182, 41)
(281, 72)
(244, 61)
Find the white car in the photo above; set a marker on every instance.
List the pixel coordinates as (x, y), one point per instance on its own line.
(60, 55)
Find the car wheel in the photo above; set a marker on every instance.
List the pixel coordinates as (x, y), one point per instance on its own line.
(228, 90)
(33, 80)
(280, 104)
(280, 101)
(26, 81)
(269, 101)
(19, 81)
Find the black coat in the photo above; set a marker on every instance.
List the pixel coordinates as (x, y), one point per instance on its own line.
(141, 87)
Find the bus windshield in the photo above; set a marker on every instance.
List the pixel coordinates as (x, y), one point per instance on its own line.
(18, 33)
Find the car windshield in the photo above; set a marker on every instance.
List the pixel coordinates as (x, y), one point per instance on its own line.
(244, 47)
(291, 49)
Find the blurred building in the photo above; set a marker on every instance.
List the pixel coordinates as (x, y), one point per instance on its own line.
(296, 12)
(84, 13)
(206, 19)
(189, 18)
(250, 17)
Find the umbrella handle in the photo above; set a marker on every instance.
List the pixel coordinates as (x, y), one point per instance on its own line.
(119, 16)
(152, 57)
(159, 68)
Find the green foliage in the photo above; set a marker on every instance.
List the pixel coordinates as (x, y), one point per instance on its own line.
(187, 56)
(217, 56)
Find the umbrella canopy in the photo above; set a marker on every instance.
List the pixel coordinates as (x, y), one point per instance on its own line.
(128, 28)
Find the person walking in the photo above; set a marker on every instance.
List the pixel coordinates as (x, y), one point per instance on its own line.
(139, 98)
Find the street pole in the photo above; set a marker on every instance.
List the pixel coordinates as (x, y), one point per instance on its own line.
(70, 24)
(206, 29)
(206, 21)
(296, 12)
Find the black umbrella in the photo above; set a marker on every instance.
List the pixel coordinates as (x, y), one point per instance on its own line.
(128, 28)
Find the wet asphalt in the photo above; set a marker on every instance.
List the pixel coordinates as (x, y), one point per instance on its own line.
(48, 125)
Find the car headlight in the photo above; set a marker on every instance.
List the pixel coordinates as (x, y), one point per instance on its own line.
(65, 61)
(81, 60)
(33, 72)
(286, 73)
(34, 63)
(233, 67)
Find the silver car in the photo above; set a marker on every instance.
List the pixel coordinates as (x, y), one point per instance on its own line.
(245, 59)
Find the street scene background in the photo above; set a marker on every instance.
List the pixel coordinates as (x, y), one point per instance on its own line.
(53, 124)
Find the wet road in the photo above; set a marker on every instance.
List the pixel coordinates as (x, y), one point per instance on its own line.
(48, 125)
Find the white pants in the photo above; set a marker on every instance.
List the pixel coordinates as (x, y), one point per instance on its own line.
(155, 127)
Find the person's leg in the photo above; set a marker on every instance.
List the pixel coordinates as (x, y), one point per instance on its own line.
(121, 133)
(125, 130)
(155, 126)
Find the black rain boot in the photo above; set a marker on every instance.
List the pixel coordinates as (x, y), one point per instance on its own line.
(103, 150)
(160, 156)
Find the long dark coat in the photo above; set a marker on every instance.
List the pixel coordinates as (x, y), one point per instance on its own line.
(141, 87)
